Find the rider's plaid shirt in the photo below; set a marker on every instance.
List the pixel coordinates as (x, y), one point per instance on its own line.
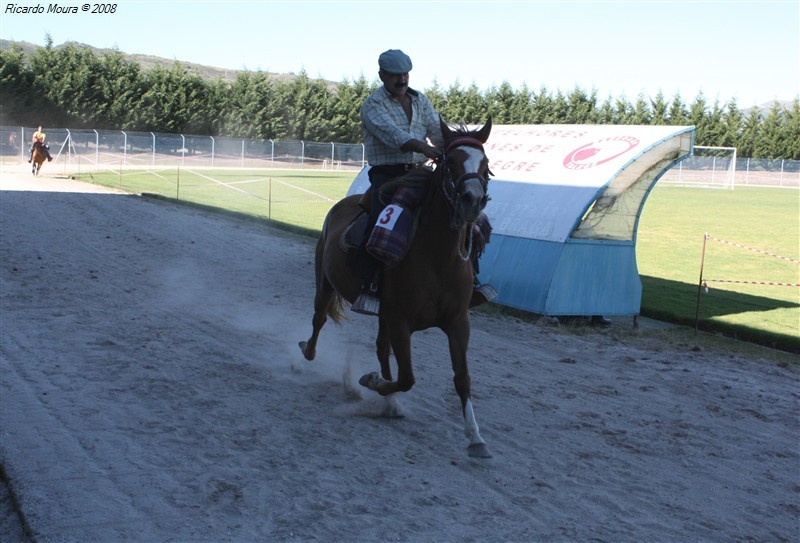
(386, 127)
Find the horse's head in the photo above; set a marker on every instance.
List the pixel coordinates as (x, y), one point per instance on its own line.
(466, 172)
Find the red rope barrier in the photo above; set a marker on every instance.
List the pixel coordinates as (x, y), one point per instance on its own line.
(749, 282)
(740, 246)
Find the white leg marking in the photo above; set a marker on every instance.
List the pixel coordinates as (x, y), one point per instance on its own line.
(392, 407)
(471, 425)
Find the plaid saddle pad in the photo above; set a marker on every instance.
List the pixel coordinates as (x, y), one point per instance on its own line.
(392, 234)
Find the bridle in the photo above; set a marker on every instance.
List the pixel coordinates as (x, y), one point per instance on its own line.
(451, 188)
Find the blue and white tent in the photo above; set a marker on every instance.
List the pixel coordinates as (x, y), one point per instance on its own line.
(565, 206)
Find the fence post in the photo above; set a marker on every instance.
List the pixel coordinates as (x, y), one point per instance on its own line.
(124, 148)
(153, 160)
(782, 161)
(96, 149)
(212, 150)
(69, 148)
(747, 172)
(700, 285)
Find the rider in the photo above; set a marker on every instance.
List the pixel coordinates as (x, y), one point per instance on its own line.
(399, 122)
(40, 137)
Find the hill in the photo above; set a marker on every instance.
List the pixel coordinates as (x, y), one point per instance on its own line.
(149, 61)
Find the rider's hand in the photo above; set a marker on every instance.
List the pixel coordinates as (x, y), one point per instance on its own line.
(418, 146)
(433, 153)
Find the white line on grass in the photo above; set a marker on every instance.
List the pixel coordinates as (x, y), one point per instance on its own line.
(307, 191)
(230, 185)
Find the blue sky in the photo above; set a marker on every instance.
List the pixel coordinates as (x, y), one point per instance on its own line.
(743, 50)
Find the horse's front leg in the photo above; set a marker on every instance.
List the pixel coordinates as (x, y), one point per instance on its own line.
(458, 338)
(383, 350)
(398, 339)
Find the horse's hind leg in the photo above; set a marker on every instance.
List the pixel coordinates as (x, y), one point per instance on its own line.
(322, 302)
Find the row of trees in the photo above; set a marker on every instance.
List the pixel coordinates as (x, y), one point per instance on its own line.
(76, 87)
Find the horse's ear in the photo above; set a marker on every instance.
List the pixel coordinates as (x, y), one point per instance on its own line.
(483, 134)
(446, 132)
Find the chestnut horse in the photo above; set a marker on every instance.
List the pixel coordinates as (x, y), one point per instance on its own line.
(430, 287)
(38, 158)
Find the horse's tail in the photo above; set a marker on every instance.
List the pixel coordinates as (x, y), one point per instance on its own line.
(336, 308)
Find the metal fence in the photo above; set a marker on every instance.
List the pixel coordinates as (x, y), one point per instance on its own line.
(101, 149)
(86, 150)
(717, 172)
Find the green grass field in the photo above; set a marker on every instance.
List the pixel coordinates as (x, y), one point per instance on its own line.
(300, 198)
(669, 243)
(670, 248)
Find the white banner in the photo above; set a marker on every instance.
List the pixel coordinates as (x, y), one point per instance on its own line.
(570, 155)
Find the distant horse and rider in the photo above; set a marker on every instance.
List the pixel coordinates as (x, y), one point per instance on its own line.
(38, 152)
(432, 285)
(38, 156)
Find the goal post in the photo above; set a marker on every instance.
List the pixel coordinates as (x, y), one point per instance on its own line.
(708, 167)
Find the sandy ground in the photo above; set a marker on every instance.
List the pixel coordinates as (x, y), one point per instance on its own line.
(151, 389)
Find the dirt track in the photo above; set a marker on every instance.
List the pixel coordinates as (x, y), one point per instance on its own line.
(151, 389)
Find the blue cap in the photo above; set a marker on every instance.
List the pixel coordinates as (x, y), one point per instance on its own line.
(394, 61)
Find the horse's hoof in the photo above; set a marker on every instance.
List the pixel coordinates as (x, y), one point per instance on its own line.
(304, 348)
(392, 414)
(392, 411)
(371, 380)
(478, 450)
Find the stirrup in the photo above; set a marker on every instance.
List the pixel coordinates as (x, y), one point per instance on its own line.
(482, 294)
(366, 304)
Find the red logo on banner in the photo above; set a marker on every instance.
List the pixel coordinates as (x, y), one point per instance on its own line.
(599, 152)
